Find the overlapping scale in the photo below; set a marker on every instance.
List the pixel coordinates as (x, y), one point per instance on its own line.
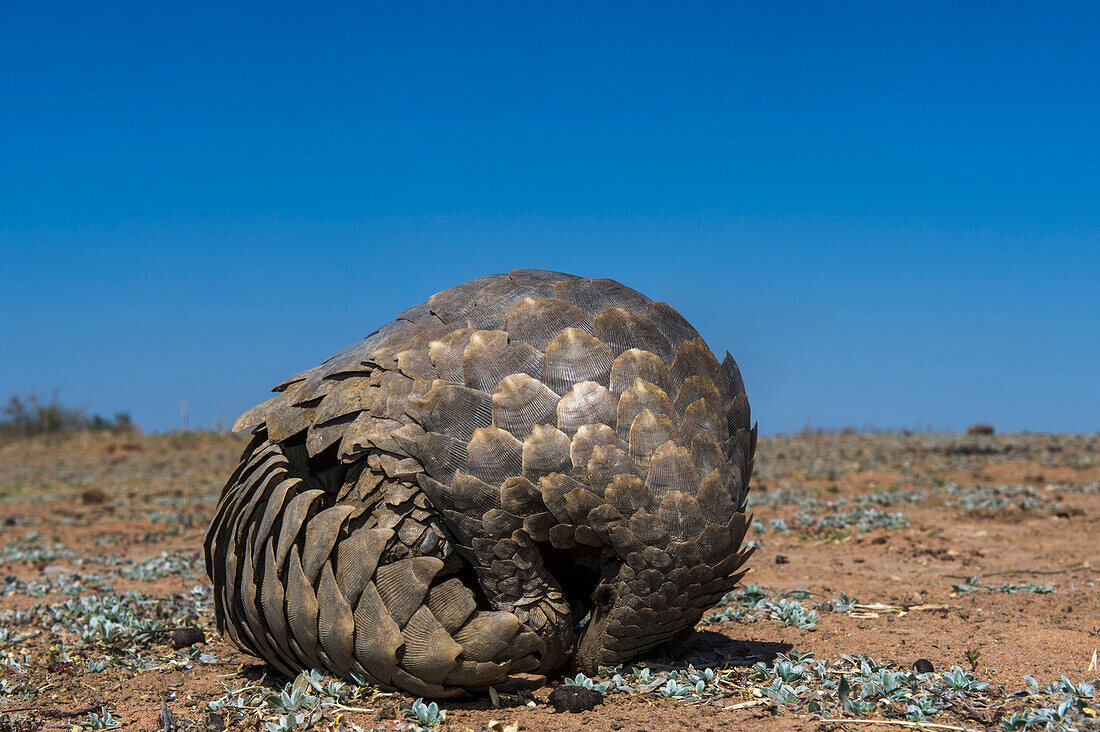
(737, 414)
(641, 397)
(537, 320)
(634, 364)
(430, 652)
(707, 454)
(472, 496)
(700, 418)
(455, 303)
(694, 359)
(453, 410)
(403, 585)
(493, 303)
(545, 451)
(607, 462)
(575, 356)
(452, 603)
(446, 354)
(649, 431)
(336, 625)
(672, 469)
(624, 330)
(520, 403)
(489, 357)
(585, 442)
(587, 403)
(494, 455)
(441, 455)
(595, 296)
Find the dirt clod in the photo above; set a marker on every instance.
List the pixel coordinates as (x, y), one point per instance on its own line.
(575, 699)
(93, 496)
(187, 637)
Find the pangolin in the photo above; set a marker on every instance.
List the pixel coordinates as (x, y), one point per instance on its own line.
(528, 470)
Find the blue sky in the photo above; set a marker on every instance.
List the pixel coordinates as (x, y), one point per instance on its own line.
(889, 213)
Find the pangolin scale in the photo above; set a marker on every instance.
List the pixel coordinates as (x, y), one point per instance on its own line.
(527, 469)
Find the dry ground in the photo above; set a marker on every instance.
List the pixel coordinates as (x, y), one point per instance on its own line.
(100, 540)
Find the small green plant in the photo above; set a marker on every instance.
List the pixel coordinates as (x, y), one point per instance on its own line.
(783, 694)
(102, 721)
(960, 680)
(284, 723)
(921, 709)
(791, 612)
(426, 715)
(582, 680)
(747, 600)
(973, 584)
(673, 688)
(970, 584)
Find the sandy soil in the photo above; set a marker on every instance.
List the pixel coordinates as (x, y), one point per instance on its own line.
(103, 515)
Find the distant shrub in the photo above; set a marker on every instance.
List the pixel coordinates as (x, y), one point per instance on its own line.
(30, 415)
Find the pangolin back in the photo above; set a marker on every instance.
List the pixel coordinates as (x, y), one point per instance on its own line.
(435, 508)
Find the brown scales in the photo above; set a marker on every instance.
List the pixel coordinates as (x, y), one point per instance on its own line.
(437, 507)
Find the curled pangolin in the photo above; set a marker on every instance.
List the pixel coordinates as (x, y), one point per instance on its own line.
(527, 468)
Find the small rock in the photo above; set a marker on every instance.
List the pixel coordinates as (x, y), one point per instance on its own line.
(187, 637)
(781, 559)
(574, 699)
(979, 429)
(93, 496)
(495, 726)
(923, 666)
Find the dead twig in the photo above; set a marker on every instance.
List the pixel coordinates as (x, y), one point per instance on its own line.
(747, 704)
(354, 709)
(167, 719)
(894, 723)
(872, 610)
